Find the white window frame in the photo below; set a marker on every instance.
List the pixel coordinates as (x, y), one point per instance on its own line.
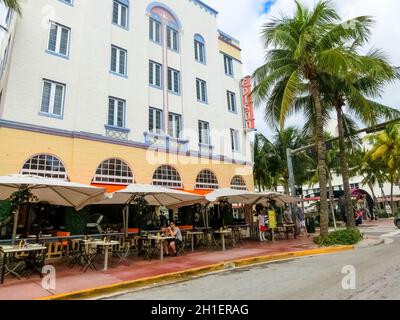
(60, 28)
(119, 13)
(121, 176)
(172, 35)
(116, 110)
(52, 98)
(235, 140)
(174, 87)
(154, 112)
(153, 23)
(228, 65)
(161, 177)
(201, 88)
(204, 133)
(153, 66)
(175, 125)
(231, 97)
(198, 49)
(206, 180)
(34, 163)
(238, 183)
(118, 60)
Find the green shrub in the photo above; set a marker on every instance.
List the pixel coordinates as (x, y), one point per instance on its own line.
(342, 237)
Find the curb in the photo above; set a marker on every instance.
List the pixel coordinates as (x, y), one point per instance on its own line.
(186, 274)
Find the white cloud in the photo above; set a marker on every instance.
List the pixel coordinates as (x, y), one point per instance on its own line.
(243, 20)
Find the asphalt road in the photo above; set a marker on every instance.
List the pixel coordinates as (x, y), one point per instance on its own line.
(377, 276)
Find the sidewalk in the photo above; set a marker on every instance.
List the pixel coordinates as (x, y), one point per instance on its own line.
(72, 280)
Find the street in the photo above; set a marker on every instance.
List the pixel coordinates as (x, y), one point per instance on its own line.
(377, 271)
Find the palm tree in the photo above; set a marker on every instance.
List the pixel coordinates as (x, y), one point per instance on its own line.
(386, 147)
(13, 4)
(300, 49)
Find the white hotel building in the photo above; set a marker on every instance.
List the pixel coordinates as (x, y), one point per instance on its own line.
(110, 92)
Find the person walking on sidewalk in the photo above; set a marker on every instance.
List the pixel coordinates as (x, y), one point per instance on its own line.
(261, 222)
(301, 220)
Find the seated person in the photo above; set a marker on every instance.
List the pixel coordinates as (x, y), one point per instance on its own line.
(173, 231)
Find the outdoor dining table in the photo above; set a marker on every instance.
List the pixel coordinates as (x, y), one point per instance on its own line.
(106, 245)
(192, 235)
(160, 239)
(6, 251)
(223, 233)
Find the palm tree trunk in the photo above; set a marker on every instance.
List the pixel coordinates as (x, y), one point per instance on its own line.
(321, 149)
(331, 198)
(344, 168)
(392, 205)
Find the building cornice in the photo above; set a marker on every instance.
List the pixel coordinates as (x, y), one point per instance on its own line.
(99, 138)
(205, 7)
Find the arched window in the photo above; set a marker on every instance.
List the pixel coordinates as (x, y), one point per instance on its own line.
(161, 15)
(199, 49)
(206, 179)
(45, 165)
(238, 183)
(113, 171)
(167, 176)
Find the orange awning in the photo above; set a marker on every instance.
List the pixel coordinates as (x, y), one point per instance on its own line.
(199, 192)
(110, 187)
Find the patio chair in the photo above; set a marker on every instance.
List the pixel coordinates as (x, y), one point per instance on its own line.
(180, 249)
(75, 254)
(122, 253)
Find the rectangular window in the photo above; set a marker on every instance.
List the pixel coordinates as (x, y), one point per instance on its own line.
(155, 31)
(173, 81)
(59, 39)
(199, 52)
(231, 97)
(175, 125)
(204, 133)
(155, 73)
(228, 64)
(118, 60)
(201, 90)
(52, 98)
(235, 142)
(120, 14)
(155, 120)
(116, 112)
(172, 39)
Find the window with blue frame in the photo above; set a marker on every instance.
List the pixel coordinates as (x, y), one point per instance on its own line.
(118, 60)
(199, 49)
(175, 125)
(231, 97)
(53, 97)
(172, 39)
(235, 140)
(201, 90)
(204, 133)
(174, 81)
(155, 30)
(121, 13)
(155, 72)
(116, 112)
(228, 64)
(155, 120)
(59, 39)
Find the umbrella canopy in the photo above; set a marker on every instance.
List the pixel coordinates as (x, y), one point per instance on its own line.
(54, 191)
(154, 196)
(247, 197)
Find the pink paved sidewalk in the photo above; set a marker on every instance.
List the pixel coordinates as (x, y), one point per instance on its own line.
(70, 280)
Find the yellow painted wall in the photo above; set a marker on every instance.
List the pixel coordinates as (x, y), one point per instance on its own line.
(82, 157)
(230, 50)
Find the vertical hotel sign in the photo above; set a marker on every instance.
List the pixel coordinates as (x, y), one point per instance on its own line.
(248, 105)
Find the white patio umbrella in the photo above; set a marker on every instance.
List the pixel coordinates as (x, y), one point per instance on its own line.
(154, 196)
(53, 191)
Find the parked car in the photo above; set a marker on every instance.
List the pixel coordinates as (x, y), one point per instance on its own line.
(397, 220)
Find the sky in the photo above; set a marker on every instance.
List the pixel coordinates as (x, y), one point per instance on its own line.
(243, 20)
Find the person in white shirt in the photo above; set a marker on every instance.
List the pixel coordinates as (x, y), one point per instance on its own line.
(261, 223)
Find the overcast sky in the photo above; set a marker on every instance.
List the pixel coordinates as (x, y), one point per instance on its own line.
(242, 19)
